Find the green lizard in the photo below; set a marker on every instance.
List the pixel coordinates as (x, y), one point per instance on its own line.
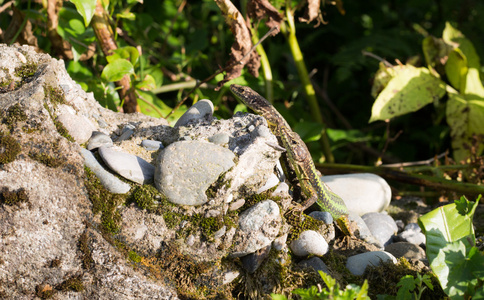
(299, 158)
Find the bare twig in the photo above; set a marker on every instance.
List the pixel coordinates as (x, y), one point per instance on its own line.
(218, 72)
(416, 163)
(366, 53)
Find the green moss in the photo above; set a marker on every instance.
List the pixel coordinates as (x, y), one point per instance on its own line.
(103, 202)
(15, 114)
(300, 223)
(144, 196)
(134, 257)
(210, 225)
(9, 197)
(87, 260)
(58, 125)
(9, 148)
(46, 159)
(72, 284)
(27, 70)
(56, 95)
(173, 219)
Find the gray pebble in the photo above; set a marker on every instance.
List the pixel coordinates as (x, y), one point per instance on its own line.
(229, 276)
(363, 193)
(270, 183)
(262, 131)
(280, 242)
(258, 227)
(407, 250)
(202, 110)
(219, 138)
(108, 180)
(309, 242)
(220, 233)
(78, 126)
(316, 263)
(382, 226)
(282, 189)
(126, 133)
(152, 145)
(237, 204)
(322, 216)
(412, 233)
(364, 232)
(99, 139)
(357, 264)
(253, 261)
(185, 170)
(129, 166)
(212, 213)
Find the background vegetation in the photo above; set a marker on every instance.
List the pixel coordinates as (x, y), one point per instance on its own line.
(180, 43)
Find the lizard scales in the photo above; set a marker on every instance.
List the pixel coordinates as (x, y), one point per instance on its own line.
(298, 156)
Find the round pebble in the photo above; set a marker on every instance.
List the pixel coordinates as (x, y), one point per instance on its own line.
(202, 110)
(108, 180)
(357, 264)
(407, 250)
(185, 170)
(258, 226)
(219, 138)
(309, 242)
(152, 145)
(129, 166)
(99, 139)
(362, 193)
(322, 216)
(126, 133)
(78, 126)
(270, 183)
(381, 226)
(316, 263)
(412, 233)
(253, 261)
(280, 242)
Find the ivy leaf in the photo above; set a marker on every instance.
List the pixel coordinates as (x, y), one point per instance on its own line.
(409, 90)
(406, 286)
(116, 70)
(464, 115)
(86, 8)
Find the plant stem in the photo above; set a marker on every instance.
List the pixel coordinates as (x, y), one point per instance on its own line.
(417, 179)
(290, 34)
(266, 66)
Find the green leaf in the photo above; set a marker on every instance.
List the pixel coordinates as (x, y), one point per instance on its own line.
(435, 50)
(456, 69)
(71, 28)
(448, 235)
(463, 205)
(473, 84)
(408, 91)
(309, 131)
(116, 70)
(128, 52)
(126, 15)
(278, 297)
(405, 286)
(86, 8)
(352, 135)
(147, 84)
(464, 115)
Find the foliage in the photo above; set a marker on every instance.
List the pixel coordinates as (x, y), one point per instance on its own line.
(404, 88)
(409, 284)
(451, 249)
(332, 292)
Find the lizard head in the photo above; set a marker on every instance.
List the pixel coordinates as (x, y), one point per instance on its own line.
(250, 98)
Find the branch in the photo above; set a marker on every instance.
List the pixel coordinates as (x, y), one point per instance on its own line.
(421, 180)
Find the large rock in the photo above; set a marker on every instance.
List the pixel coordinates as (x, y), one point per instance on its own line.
(50, 243)
(70, 228)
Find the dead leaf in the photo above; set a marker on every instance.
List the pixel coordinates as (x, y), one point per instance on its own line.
(26, 36)
(312, 11)
(242, 45)
(260, 9)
